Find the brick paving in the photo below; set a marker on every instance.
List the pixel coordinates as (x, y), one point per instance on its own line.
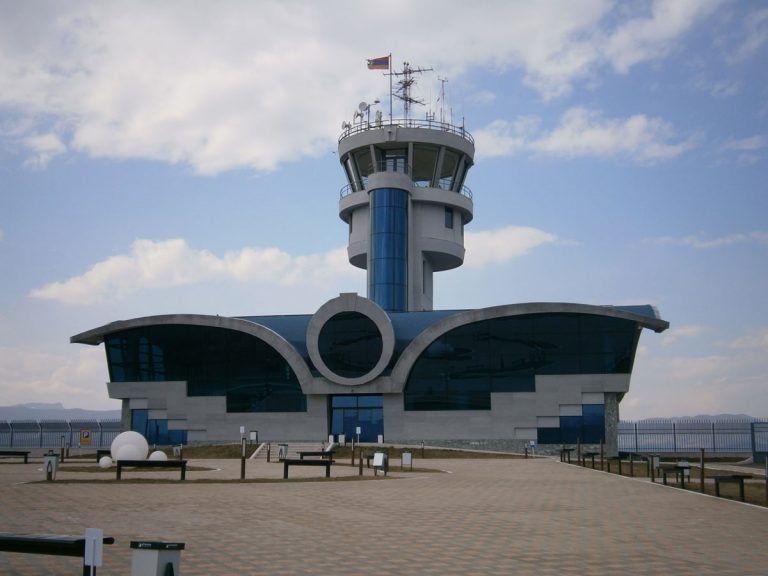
(483, 517)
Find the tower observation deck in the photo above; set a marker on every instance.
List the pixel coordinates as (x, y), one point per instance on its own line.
(406, 205)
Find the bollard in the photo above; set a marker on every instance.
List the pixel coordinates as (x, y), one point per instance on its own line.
(50, 464)
(360, 460)
(156, 558)
(526, 451)
(601, 455)
(242, 458)
(269, 450)
(701, 471)
(631, 465)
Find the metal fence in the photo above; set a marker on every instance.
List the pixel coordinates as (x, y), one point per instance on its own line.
(662, 435)
(58, 433)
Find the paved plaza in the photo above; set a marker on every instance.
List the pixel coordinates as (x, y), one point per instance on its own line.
(478, 517)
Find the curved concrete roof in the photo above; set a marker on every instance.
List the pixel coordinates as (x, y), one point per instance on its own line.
(283, 347)
(409, 356)
(394, 383)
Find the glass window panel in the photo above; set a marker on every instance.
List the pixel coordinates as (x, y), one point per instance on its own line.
(448, 169)
(424, 164)
(213, 362)
(570, 429)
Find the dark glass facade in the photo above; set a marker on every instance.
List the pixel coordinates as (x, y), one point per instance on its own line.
(350, 344)
(252, 375)
(588, 428)
(350, 411)
(459, 370)
(156, 430)
(388, 276)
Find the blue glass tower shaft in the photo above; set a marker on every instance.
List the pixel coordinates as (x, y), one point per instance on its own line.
(388, 272)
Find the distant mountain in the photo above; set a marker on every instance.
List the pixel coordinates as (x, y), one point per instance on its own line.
(54, 411)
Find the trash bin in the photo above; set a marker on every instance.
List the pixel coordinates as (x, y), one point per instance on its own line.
(156, 558)
(50, 465)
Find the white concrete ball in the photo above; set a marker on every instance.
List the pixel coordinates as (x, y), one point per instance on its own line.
(130, 438)
(158, 455)
(131, 452)
(105, 462)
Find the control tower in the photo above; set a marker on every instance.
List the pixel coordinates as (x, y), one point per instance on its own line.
(405, 201)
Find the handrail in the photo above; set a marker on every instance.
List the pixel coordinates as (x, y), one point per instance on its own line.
(348, 189)
(407, 123)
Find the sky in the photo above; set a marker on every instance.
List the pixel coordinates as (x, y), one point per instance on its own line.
(181, 157)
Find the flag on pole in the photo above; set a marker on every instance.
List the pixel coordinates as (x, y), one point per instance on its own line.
(381, 63)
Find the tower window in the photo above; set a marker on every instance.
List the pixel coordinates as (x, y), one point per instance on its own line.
(448, 217)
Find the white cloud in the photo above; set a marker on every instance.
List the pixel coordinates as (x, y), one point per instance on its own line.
(754, 37)
(755, 237)
(243, 84)
(680, 332)
(756, 340)
(749, 144)
(651, 37)
(172, 263)
(153, 265)
(731, 379)
(583, 132)
(75, 377)
(44, 147)
(496, 246)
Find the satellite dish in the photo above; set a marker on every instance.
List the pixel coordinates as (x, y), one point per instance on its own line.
(363, 106)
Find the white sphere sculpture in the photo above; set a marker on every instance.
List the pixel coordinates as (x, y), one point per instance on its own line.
(137, 442)
(105, 462)
(131, 452)
(158, 455)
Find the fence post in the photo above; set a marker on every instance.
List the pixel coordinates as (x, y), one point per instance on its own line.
(714, 447)
(752, 441)
(674, 437)
(701, 471)
(636, 444)
(40, 431)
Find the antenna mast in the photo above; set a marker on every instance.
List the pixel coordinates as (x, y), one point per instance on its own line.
(403, 92)
(442, 98)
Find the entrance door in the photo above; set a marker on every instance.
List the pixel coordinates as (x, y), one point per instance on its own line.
(350, 411)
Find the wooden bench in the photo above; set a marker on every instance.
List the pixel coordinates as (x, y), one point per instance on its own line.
(181, 464)
(731, 478)
(16, 454)
(321, 453)
(680, 471)
(288, 462)
(586, 455)
(51, 544)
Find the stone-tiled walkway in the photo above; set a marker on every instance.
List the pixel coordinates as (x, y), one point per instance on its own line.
(484, 517)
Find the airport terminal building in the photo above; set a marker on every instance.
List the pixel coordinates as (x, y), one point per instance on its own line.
(387, 364)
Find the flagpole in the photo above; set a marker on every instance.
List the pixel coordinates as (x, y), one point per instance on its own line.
(390, 87)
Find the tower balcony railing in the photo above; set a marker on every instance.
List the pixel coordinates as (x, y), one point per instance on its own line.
(348, 189)
(429, 124)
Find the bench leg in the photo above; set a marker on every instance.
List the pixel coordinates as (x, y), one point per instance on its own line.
(741, 489)
(183, 471)
(328, 470)
(285, 470)
(119, 471)
(717, 487)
